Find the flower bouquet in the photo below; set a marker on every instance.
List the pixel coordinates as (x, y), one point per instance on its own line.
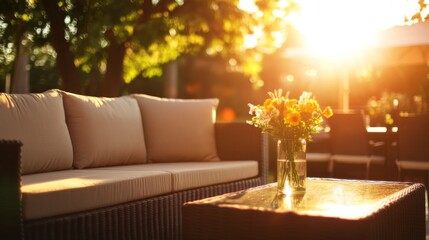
(291, 122)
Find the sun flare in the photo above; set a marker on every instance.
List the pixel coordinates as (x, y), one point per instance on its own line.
(334, 28)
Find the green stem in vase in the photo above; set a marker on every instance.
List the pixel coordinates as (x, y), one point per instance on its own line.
(288, 173)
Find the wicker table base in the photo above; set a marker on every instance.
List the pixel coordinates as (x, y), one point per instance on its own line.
(330, 209)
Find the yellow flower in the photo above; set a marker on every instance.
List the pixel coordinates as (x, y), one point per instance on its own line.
(271, 104)
(291, 103)
(268, 106)
(276, 103)
(267, 102)
(310, 106)
(284, 117)
(327, 112)
(293, 118)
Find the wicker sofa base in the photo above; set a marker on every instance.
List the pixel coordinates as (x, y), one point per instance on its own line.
(153, 218)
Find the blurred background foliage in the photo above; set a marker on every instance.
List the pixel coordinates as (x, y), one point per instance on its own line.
(99, 47)
(229, 49)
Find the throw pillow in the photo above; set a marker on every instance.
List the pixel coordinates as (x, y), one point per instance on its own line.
(38, 121)
(104, 131)
(178, 129)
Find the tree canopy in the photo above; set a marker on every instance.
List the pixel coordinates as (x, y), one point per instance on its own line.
(100, 44)
(95, 46)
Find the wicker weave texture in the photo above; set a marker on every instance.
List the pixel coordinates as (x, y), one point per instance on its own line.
(154, 218)
(399, 217)
(10, 183)
(402, 216)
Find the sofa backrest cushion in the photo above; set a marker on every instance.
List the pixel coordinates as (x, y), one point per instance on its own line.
(37, 120)
(104, 131)
(177, 129)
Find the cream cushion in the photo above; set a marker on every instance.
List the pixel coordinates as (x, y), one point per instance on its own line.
(104, 131)
(188, 175)
(38, 121)
(70, 191)
(178, 129)
(412, 165)
(352, 159)
(318, 157)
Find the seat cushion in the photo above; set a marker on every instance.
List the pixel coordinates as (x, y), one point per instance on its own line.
(318, 157)
(377, 159)
(412, 165)
(177, 129)
(187, 175)
(104, 131)
(70, 191)
(37, 120)
(351, 159)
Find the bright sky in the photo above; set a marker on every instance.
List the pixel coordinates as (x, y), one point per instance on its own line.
(338, 27)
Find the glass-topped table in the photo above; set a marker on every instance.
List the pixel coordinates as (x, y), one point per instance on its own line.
(330, 209)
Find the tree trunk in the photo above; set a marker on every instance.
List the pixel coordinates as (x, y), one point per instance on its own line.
(20, 78)
(171, 79)
(113, 78)
(93, 86)
(21, 75)
(65, 59)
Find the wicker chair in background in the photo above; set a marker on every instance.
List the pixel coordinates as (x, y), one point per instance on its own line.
(413, 149)
(319, 156)
(11, 227)
(350, 146)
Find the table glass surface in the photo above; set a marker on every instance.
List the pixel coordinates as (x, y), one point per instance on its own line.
(346, 199)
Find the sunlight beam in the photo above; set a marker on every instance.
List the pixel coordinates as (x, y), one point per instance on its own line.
(334, 28)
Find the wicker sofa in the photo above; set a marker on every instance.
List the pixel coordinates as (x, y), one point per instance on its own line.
(80, 167)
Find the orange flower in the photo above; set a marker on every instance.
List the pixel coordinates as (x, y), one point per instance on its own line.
(268, 106)
(289, 106)
(310, 106)
(267, 102)
(298, 117)
(327, 112)
(291, 103)
(293, 118)
(276, 103)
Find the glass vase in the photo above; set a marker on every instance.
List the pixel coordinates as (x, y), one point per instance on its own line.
(291, 166)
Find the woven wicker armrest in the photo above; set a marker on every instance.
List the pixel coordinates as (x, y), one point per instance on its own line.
(240, 141)
(10, 193)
